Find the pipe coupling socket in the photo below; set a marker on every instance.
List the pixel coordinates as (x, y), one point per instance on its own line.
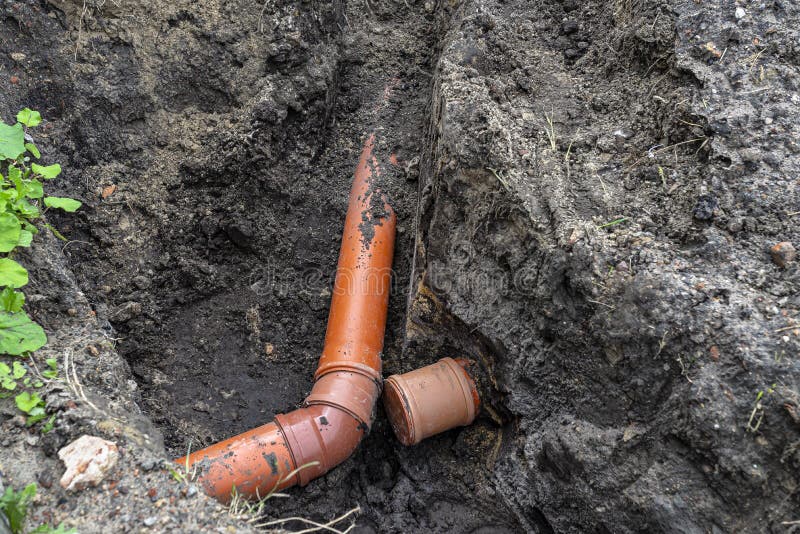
(352, 392)
(430, 400)
(305, 444)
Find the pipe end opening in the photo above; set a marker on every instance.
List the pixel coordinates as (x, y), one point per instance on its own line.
(430, 400)
(398, 410)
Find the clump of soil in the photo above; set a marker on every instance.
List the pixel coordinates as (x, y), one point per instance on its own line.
(587, 196)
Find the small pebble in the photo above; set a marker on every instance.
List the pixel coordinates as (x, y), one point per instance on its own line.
(735, 225)
(19, 57)
(149, 464)
(45, 479)
(569, 27)
(783, 253)
(150, 521)
(624, 133)
(740, 13)
(706, 208)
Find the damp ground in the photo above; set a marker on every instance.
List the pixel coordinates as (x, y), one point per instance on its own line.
(586, 196)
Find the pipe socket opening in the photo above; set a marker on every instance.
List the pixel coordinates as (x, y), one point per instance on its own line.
(430, 400)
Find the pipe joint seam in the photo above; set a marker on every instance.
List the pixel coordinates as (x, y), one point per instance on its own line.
(352, 392)
(371, 371)
(319, 437)
(304, 443)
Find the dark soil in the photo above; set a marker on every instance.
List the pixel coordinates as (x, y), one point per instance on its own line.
(587, 194)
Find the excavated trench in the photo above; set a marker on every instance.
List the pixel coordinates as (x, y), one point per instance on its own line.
(220, 296)
(585, 193)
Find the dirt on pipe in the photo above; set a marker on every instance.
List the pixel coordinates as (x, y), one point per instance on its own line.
(597, 203)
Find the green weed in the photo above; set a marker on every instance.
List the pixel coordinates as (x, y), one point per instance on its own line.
(22, 200)
(32, 405)
(14, 506)
(613, 223)
(757, 415)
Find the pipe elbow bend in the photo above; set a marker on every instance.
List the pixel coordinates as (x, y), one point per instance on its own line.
(337, 415)
(296, 447)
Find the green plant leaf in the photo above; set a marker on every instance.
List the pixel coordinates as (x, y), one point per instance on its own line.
(32, 404)
(47, 427)
(15, 175)
(12, 274)
(33, 189)
(49, 172)
(26, 209)
(30, 147)
(7, 381)
(19, 334)
(52, 373)
(9, 231)
(12, 141)
(29, 118)
(15, 506)
(47, 529)
(66, 204)
(18, 370)
(25, 238)
(35, 415)
(7, 197)
(27, 401)
(11, 300)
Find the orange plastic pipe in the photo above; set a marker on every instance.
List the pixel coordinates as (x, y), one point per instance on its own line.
(430, 400)
(304, 444)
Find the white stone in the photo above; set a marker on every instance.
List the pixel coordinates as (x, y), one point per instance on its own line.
(740, 13)
(88, 459)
